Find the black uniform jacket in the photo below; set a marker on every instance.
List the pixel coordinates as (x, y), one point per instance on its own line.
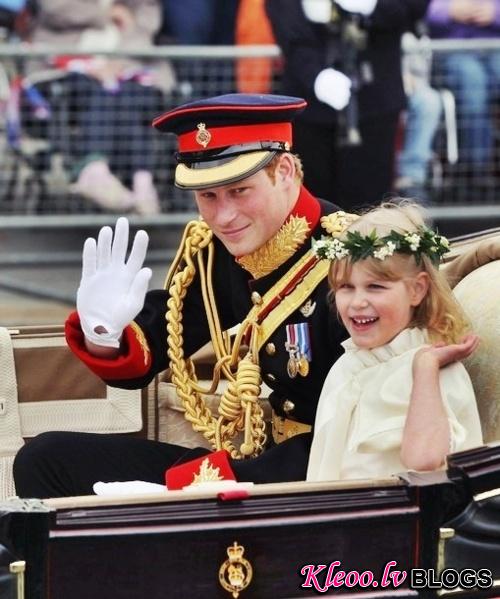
(308, 48)
(233, 287)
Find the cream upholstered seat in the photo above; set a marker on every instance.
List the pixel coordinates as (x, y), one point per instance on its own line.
(479, 295)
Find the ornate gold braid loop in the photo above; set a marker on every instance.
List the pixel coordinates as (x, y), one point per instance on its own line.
(239, 408)
(248, 384)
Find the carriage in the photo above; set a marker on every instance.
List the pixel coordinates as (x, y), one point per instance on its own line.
(415, 535)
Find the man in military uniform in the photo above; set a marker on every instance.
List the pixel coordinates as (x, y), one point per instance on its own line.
(234, 152)
(247, 263)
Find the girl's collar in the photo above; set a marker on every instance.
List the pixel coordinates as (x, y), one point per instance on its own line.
(404, 341)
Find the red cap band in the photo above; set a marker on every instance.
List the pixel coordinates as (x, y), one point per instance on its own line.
(221, 137)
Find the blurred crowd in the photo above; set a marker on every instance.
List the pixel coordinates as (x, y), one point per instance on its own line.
(372, 116)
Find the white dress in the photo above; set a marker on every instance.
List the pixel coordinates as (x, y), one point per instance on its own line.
(363, 405)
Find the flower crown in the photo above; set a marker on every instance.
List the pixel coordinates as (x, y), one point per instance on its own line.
(356, 246)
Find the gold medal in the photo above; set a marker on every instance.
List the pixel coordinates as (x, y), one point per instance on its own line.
(292, 367)
(303, 366)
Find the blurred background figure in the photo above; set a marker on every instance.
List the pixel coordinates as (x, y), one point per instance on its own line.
(10, 10)
(254, 75)
(206, 23)
(344, 57)
(198, 22)
(421, 121)
(474, 79)
(112, 100)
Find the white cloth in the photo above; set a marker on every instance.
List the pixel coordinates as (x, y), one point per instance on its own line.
(218, 486)
(141, 487)
(363, 405)
(129, 487)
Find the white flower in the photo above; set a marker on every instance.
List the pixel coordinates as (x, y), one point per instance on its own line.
(384, 251)
(329, 248)
(337, 250)
(414, 241)
(318, 245)
(444, 242)
(341, 253)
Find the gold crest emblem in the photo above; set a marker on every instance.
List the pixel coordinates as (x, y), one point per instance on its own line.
(203, 136)
(278, 249)
(207, 473)
(236, 573)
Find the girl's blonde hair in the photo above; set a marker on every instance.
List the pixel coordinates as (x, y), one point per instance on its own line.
(439, 311)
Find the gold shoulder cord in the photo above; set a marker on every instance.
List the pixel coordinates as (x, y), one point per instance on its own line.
(239, 409)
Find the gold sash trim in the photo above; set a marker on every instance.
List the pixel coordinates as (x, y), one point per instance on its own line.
(288, 303)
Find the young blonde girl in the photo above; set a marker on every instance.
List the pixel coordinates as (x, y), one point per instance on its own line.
(399, 398)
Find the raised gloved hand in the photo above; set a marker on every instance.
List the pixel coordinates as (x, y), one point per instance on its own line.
(333, 88)
(362, 7)
(112, 290)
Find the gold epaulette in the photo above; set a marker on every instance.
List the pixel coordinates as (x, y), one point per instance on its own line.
(337, 222)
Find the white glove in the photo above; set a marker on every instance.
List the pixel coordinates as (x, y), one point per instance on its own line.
(361, 7)
(317, 11)
(112, 291)
(333, 88)
(128, 487)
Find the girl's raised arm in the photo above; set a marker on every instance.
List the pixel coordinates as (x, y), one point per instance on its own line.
(426, 436)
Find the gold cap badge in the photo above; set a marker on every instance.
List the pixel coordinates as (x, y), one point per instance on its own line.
(203, 136)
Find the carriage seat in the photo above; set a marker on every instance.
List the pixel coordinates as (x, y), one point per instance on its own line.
(479, 295)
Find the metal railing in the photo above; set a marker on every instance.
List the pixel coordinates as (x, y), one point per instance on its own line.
(57, 116)
(44, 219)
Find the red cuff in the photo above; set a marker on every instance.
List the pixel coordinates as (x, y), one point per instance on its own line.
(211, 467)
(133, 362)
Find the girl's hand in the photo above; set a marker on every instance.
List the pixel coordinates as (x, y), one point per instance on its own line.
(445, 354)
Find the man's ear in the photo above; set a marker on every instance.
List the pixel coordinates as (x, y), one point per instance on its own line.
(419, 288)
(285, 169)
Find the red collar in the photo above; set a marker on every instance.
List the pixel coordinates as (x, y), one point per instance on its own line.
(307, 206)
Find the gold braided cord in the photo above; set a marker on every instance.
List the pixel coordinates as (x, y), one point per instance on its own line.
(239, 408)
(211, 310)
(244, 388)
(196, 411)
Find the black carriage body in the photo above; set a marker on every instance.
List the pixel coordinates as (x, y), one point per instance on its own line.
(177, 545)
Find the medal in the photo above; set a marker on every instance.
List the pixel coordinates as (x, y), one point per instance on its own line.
(304, 345)
(303, 366)
(298, 346)
(292, 368)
